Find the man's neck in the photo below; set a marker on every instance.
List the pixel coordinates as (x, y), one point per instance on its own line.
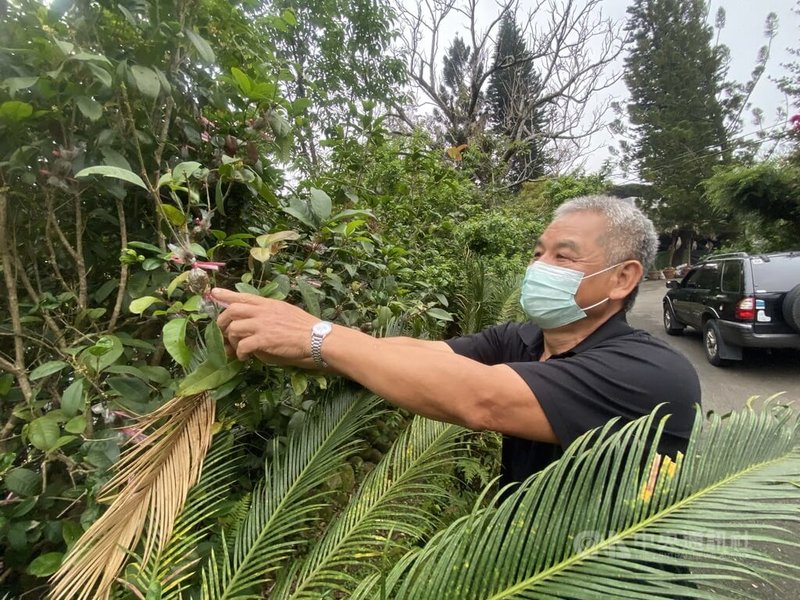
(557, 341)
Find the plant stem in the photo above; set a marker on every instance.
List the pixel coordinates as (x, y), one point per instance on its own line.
(9, 275)
(124, 269)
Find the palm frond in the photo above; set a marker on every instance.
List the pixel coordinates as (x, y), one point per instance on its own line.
(476, 305)
(614, 519)
(152, 481)
(505, 296)
(393, 504)
(285, 504)
(169, 569)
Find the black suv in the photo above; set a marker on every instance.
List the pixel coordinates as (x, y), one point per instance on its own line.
(738, 300)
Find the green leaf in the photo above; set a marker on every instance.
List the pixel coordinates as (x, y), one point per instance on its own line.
(242, 80)
(173, 214)
(15, 84)
(14, 110)
(73, 399)
(183, 171)
(47, 369)
(23, 482)
(6, 381)
(45, 565)
(310, 297)
(91, 109)
(140, 305)
(300, 211)
(174, 336)
(440, 314)
(202, 46)
(146, 80)
(320, 204)
(105, 290)
(43, 433)
(130, 389)
(144, 246)
(262, 255)
(268, 239)
(299, 382)
(288, 16)
(208, 377)
(76, 425)
(103, 353)
(215, 345)
(115, 159)
(114, 172)
(176, 281)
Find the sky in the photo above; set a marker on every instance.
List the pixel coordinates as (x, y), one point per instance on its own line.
(743, 34)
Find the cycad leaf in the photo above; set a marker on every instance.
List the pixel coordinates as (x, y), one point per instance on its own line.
(169, 569)
(285, 504)
(598, 524)
(147, 492)
(396, 498)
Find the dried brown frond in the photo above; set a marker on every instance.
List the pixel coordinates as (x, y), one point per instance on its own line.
(148, 491)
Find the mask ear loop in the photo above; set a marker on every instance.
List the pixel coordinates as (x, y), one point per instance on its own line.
(592, 275)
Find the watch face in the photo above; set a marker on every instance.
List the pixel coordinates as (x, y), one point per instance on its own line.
(322, 328)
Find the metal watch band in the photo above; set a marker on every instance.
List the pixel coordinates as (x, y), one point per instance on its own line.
(318, 333)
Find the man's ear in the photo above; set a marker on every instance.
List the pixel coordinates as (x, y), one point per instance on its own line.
(628, 277)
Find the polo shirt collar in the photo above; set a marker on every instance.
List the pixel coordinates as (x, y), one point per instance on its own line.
(617, 325)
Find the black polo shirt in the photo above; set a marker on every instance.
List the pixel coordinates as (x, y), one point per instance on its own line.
(617, 371)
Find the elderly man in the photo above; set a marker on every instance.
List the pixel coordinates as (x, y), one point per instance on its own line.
(572, 367)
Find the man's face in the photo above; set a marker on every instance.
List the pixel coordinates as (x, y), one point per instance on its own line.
(573, 242)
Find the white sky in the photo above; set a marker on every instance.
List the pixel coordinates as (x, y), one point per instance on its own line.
(743, 34)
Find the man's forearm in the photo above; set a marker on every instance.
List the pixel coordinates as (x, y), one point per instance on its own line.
(426, 378)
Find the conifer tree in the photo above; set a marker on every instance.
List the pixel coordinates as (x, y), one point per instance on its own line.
(674, 74)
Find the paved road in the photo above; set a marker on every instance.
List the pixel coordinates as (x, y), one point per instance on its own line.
(761, 373)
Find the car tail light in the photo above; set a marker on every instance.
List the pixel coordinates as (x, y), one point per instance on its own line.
(745, 309)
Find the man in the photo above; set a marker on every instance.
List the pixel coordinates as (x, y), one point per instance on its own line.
(542, 384)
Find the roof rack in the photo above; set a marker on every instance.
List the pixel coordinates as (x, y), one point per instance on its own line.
(724, 255)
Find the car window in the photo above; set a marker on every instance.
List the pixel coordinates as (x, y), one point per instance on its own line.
(776, 274)
(732, 276)
(705, 278)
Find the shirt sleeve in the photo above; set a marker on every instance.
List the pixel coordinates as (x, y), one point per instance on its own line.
(628, 380)
(489, 347)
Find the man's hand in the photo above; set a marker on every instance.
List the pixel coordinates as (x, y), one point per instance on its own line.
(274, 331)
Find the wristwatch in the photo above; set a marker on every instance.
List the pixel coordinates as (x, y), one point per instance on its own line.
(318, 333)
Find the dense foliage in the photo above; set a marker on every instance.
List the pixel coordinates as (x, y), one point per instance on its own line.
(150, 149)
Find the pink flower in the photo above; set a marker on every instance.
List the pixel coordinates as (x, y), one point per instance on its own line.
(795, 120)
(134, 434)
(208, 265)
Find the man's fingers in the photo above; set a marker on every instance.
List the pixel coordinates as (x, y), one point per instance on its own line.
(228, 297)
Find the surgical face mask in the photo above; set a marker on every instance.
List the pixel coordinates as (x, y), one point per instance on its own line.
(548, 294)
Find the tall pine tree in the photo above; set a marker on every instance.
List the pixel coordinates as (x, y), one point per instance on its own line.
(514, 88)
(674, 74)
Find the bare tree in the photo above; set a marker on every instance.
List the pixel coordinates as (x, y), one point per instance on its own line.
(570, 44)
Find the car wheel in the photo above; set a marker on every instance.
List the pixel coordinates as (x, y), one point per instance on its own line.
(671, 324)
(711, 341)
(791, 308)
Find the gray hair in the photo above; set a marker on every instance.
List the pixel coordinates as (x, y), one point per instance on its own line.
(630, 236)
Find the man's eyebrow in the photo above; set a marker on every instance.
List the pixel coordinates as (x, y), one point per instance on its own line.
(571, 244)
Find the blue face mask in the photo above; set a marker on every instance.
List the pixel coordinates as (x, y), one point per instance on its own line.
(548, 295)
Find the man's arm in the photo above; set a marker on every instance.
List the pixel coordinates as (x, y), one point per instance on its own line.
(408, 342)
(419, 376)
(439, 385)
